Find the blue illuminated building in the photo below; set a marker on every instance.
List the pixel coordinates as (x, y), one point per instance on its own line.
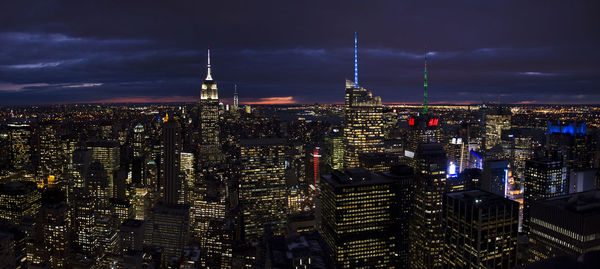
(578, 128)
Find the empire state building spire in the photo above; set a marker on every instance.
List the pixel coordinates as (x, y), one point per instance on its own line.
(208, 75)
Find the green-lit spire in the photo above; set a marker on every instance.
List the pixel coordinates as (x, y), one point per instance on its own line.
(425, 102)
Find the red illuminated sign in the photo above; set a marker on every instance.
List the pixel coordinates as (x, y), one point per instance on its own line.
(411, 121)
(432, 122)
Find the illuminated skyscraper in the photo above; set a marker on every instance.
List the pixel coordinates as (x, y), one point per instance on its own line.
(50, 153)
(262, 187)
(53, 228)
(107, 153)
(481, 230)
(356, 220)
(544, 179)
(496, 120)
(571, 143)
(19, 136)
(207, 220)
(426, 231)
(334, 150)
(138, 140)
(565, 226)
(424, 127)
(209, 116)
(363, 119)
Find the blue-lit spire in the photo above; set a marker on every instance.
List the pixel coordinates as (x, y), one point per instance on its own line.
(425, 101)
(355, 60)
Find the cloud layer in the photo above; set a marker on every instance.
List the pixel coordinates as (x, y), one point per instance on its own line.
(298, 51)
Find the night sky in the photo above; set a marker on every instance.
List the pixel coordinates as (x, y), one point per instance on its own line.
(286, 51)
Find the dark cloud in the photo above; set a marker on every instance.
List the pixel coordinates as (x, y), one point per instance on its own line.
(81, 51)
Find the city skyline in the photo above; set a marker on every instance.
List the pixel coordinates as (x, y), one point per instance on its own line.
(509, 52)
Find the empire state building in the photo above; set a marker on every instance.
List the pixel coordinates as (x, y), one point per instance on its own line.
(209, 114)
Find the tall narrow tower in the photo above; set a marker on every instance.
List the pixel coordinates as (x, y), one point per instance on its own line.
(236, 101)
(425, 102)
(363, 119)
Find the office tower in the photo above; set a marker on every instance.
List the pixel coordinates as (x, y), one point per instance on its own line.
(496, 120)
(236, 100)
(53, 226)
(19, 136)
(402, 177)
(544, 178)
(481, 230)
(170, 225)
(495, 177)
(50, 153)
(426, 232)
(19, 199)
(207, 219)
(209, 117)
(121, 210)
(131, 235)
(83, 219)
(172, 191)
(520, 144)
(565, 226)
(334, 150)
(458, 153)
(571, 143)
(424, 127)
(188, 174)
(363, 119)
(107, 153)
(78, 167)
(138, 140)
(356, 221)
(262, 187)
